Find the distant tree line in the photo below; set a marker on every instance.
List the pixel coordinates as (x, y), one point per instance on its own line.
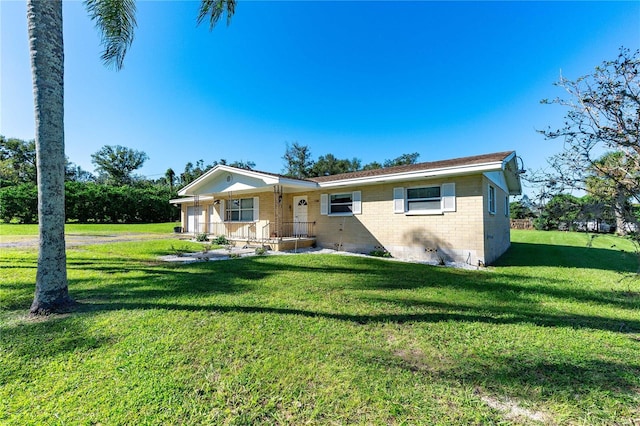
(566, 212)
(92, 202)
(299, 163)
(115, 194)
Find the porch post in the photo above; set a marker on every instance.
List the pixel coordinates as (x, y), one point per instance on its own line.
(277, 210)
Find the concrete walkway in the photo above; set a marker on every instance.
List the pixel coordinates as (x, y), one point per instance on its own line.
(233, 252)
(237, 252)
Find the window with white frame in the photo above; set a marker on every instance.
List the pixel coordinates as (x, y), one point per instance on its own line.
(492, 199)
(341, 204)
(239, 210)
(424, 198)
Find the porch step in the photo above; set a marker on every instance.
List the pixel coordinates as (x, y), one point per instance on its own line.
(254, 244)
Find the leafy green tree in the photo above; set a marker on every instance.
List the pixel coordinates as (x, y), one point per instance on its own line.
(170, 177)
(248, 165)
(610, 180)
(192, 172)
(518, 210)
(603, 115)
(372, 166)
(19, 203)
(74, 173)
(598, 211)
(561, 212)
(327, 165)
(116, 21)
(93, 202)
(187, 176)
(115, 163)
(402, 160)
(17, 161)
(297, 161)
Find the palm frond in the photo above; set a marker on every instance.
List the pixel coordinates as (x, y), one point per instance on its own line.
(214, 10)
(116, 20)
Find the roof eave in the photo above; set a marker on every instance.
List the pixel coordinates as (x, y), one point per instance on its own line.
(190, 199)
(514, 171)
(267, 178)
(416, 174)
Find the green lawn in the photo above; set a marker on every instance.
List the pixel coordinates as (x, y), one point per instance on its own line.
(551, 335)
(11, 229)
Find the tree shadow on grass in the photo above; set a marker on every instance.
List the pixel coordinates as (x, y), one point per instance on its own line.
(441, 312)
(504, 298)
(179, 288)
(63, 334)
(527, 254)
(517, 313)
(508, 286)
(560, 377)
(148, 283)
(33, 339)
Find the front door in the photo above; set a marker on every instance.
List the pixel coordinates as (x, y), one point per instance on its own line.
(300, 216)
(192, 219)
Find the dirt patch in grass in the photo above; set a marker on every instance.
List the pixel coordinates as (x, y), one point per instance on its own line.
(414, 358)
(512, 411)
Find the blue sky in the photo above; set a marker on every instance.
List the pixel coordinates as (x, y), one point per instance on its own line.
(370, 80)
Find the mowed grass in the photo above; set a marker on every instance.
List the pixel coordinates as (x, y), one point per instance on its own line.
(10, 229)
(551, 335)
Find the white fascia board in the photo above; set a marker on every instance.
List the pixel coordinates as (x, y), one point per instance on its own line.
(415, 175)
(507, 159)
(186, 189)
(512, 176)
(266, 178)
(297, 183)
(190, 199)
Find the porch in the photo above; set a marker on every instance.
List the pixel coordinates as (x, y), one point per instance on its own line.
(278, 237)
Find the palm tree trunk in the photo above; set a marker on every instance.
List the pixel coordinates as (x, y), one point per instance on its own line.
(47, 67)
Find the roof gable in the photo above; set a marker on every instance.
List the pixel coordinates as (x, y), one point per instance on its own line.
(223, 178)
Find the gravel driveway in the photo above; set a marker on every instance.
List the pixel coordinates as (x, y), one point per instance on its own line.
(75, 240)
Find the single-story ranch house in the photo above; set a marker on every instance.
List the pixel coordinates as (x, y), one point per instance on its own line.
(451, 210)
